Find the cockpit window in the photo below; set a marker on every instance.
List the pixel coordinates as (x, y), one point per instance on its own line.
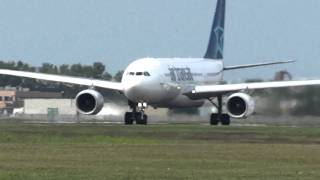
(146, 73)
(138, 73)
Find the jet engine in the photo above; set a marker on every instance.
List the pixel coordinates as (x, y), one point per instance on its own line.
(89, 102)
(240, 105)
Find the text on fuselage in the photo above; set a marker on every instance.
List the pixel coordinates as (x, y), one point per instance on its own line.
(180, 74)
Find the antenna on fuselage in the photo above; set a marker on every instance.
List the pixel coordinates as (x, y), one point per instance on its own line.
(216, 41)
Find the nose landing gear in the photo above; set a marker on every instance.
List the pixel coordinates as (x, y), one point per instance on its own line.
(136, 116)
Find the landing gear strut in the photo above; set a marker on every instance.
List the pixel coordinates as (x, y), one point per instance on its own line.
(136, 116)
(216, 118)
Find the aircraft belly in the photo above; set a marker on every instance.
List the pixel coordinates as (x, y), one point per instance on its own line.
(162, 94)
(152, 93)
(181, 101)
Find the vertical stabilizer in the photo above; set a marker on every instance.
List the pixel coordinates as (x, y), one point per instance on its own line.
(216, 42)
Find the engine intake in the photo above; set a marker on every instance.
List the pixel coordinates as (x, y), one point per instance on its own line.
(240, 105)
(89, 102)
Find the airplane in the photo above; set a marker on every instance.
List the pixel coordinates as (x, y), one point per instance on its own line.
(175, 83)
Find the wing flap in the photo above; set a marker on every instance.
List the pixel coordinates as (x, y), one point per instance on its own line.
(64, 79)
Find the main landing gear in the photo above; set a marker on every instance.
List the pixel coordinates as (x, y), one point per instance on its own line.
(219, 117)
(136, 116)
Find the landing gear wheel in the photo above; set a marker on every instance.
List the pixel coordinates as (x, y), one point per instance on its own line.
(137, 115)
(142, 119)
(225, 120)
(219, 117)
(214, 120)
(128, 118)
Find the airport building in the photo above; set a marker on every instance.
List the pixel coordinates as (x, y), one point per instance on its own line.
(13, 99)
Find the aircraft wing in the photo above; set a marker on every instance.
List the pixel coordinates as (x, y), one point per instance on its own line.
(65, 79)
(257, 65)
(207, 91)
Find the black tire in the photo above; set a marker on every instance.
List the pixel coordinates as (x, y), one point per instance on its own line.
(225, 119)
(145, 120)
(141, 120)
(128, 120)
(214, 120)
(138, 116)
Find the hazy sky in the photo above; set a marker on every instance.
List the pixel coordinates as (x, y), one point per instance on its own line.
(118, 31)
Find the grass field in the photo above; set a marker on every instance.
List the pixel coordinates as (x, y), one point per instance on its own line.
(98, 151)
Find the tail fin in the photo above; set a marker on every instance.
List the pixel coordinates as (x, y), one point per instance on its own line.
(216, 42)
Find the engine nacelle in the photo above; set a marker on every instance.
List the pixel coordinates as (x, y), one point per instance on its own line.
(89, 102)
(240, 105)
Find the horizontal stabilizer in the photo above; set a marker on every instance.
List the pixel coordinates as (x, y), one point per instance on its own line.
(256, 65)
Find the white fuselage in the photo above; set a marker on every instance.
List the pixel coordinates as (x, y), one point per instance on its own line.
(162, 82)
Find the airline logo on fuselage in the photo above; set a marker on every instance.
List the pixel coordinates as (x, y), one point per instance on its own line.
(180, 74)
(219, 33)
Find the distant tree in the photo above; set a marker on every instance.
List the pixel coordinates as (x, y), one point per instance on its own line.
(76, 70)
(64, 69)
(87, 71)
(118, 76)
(24, 67)
(20, 65)
(8, 65)
(48, 68)
(98, 70)
(107, 76)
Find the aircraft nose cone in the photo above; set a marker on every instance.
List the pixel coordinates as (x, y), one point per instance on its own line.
(136, 92)
(142, 90)
(133, 84)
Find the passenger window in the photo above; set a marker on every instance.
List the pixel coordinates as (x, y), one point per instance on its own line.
(139, 73)
(146, 74)
(131, 73)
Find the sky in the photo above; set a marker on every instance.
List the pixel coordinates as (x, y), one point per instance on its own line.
(116, 32)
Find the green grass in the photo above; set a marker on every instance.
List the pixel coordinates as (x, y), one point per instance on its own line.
(97, 151)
